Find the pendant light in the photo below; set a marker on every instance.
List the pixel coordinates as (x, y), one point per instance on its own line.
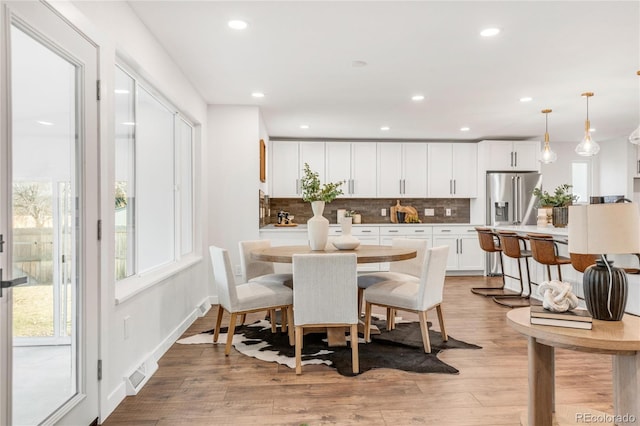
(634, 137)
(547, 156)
(588, 146)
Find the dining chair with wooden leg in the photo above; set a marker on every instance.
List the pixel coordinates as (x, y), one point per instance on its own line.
(397, 271)
(413, 294)
(244, 298)
(263, 272)
(325, 295)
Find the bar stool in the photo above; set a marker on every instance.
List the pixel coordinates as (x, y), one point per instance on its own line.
(545, 251)
(490, 243)
(510, 243)
(581, 262)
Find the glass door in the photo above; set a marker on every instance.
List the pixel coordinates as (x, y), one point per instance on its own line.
(50, 323)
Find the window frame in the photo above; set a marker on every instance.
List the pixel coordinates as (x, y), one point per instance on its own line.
(131, 285)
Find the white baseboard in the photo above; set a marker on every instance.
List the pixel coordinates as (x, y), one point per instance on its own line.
(151, 362)
(112, 401)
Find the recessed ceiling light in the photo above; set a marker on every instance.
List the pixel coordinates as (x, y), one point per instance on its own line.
(358, 64)
(45, 123)
(257, 95)
(464, 129)
(128, 123)
(304, 126)
(592, 129)
(417, 98)
(237, 24)
(385, 128)
(490, 32)
(526, 99)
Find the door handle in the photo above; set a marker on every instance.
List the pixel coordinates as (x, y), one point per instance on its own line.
(454, 186)
(511, 158)
(460, 245)
(11, 283)
(2, 239)
(515, 156)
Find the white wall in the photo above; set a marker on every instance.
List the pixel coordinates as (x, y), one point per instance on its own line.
(559, 172)
(233, 182)
(158, 314)
(614, 168)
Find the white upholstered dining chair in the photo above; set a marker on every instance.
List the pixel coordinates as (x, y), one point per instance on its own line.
(325, 295)
(263, 272)
(413, 294)
(244, 298)
(397, 271)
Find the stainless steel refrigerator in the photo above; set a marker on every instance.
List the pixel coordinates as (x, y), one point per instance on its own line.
(510, 201)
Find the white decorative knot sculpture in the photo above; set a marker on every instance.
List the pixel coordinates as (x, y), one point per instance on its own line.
(557, 296)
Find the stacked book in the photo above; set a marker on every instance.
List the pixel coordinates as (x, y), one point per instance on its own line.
(577, 318)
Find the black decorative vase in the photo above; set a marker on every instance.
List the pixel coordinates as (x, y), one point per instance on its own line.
(596, 291)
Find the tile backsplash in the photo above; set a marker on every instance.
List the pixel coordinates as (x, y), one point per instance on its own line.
(370, 209)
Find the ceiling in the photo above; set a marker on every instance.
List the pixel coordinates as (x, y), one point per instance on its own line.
(301, 56)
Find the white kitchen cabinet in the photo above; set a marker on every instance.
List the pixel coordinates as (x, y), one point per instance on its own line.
(513, 155)
(465, 253)
(402, 170)
(452, 170)
(388, 233)
(287, 164)
(355, 164)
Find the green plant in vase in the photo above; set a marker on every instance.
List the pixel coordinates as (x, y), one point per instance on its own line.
(318, 194)
(313, 190)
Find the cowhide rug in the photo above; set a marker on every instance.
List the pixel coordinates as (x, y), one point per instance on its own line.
(400, 348)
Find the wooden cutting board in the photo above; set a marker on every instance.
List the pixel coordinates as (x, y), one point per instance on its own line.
(408, 210)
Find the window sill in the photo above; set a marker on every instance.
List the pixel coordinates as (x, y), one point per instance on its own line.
(132, 286)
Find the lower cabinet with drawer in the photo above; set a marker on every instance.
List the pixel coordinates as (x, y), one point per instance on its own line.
(465, 253)
(388, 233)
(368, 235)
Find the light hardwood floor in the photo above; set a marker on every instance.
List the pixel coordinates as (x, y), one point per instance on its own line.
(197, 385)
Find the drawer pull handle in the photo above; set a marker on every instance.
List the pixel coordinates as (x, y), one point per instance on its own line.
(418, 230)
(446, 230)
(366, 230)
(393, 230)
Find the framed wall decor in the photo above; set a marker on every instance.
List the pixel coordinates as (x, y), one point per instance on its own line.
(263, 151)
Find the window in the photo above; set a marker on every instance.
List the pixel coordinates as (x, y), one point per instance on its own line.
(580, 180)
(153, 180)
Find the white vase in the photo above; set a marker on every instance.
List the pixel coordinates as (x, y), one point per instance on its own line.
(346, 241)
(318, 227)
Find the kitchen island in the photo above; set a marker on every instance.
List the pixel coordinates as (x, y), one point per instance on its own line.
(570, 275)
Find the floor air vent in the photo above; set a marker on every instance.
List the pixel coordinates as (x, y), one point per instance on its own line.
(139, 377)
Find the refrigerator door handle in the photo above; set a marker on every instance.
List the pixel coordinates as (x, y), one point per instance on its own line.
(513, 209)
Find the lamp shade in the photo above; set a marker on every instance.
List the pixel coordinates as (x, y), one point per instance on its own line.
(604, 229)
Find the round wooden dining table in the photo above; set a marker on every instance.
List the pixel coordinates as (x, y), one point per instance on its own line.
(365, 253)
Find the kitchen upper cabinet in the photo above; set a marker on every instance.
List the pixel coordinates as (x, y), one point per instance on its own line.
(287, 164)
(513, 155)
(354, 163)
(402, 170)
(453, 169)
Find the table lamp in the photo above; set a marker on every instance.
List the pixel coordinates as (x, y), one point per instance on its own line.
(605, 229)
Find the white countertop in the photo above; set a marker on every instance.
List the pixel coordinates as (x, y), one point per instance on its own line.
(272, 227)
(523, 229)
